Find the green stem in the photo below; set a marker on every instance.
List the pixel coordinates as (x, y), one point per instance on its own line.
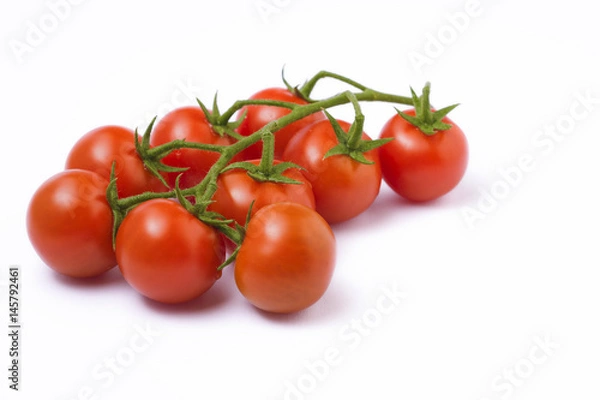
(268, 153)
(227, 115)
(131, 201)
(298, 112)
(425, 105)
(205, 190)
(355, 133)
(308, 87)
(158, 152)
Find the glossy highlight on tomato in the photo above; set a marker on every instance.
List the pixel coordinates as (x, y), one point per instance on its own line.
(69, 224)
(287, 258)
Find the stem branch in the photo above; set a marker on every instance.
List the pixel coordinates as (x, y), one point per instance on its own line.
(205, 190)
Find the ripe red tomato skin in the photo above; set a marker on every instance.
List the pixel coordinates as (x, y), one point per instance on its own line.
(166, 253)
(236, 191)
(258, 116)
(419, 167)
(287, 258)
(69, 224)
(188, 123)
(96, 150)
(343, 187)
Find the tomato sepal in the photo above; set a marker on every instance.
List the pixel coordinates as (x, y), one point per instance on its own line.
(211, 218)
(241, 231)
(295, 90)
(273, 174)
(229, 259)
(351, 144)
(151, 161)
(428, 121)
(112, 197)
(219, 124)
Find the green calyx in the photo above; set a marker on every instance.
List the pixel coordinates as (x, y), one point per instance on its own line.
(239, 234)
(112, 198)
(200, 208)
(273, 174)
(427, 120)
(352, 144)
(220, 125)
(267, 170)
(152, 159)
(228, 227)
(295, 90)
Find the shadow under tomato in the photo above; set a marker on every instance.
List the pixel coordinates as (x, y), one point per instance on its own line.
(385, 206)
(329, 306)
(466, 193)
(389, 203)
(109, 278)
(214, 298)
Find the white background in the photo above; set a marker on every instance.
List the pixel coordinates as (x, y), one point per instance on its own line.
(480, 296)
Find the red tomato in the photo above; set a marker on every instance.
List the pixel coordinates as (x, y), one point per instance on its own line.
(69, 224)
(166, 253)
(236, 191)
(258, 116)
(343, 187)
(420, 167)
(287, 258)
(97, 150)
(188, 123)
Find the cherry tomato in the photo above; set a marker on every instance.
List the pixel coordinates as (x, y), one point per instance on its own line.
(166, 253)
(97, 150)
(188, 123)
(343, 187)
(237, 190)
(69, 224)
(287, 258)
(420, 167)
(258, 116)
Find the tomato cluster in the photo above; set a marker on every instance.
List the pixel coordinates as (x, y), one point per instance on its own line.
(168, 207)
